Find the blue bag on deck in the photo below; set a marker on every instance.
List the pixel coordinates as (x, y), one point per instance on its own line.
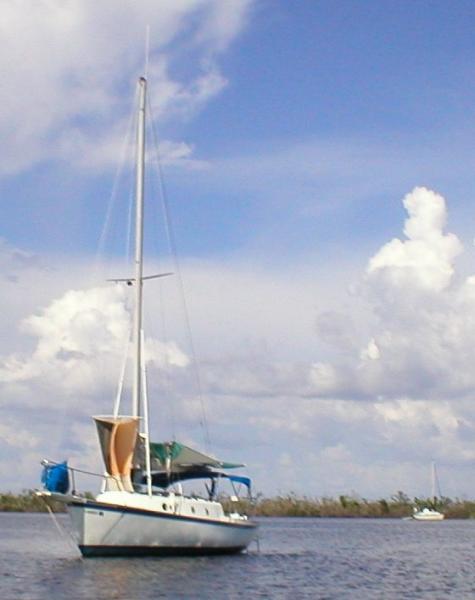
(55, 478)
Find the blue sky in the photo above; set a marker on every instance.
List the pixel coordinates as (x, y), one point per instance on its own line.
(290, 132)
(351, 85)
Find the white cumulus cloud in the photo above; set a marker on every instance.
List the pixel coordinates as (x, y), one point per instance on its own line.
(64, 64)
(364, 399)
(80, 339)
(425, 259)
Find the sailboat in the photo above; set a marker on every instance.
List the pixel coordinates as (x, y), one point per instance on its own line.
(142, 509)
(429, 513)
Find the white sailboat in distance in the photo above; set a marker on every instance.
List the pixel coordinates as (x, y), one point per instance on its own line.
(429, 513)
(142, 509)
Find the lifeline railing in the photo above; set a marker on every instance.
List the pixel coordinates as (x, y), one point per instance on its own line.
(72, 470)
(105, 477)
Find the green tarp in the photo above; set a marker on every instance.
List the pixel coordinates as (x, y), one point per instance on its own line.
(173, 455)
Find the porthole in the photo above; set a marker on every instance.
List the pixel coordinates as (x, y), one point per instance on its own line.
(193, 509)
(164, 506)
(207, 511)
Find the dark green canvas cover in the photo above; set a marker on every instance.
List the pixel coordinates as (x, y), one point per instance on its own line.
(174, 456)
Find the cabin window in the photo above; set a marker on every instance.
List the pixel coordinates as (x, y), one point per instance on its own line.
(164, 506)
(206, 511)
(192, 509)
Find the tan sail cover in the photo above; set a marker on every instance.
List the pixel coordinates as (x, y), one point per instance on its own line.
(117, 438)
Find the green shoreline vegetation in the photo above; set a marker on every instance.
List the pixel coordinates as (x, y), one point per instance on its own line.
(292, 505)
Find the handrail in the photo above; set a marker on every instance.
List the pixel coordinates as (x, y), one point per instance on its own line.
(46, 462)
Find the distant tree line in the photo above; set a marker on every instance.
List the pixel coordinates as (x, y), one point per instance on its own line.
(292, 505)
(397, 506)
(26, 501)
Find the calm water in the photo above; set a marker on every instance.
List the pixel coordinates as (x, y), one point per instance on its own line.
(298, 558)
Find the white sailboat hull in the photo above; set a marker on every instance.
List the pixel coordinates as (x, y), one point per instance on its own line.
(428, 515)
(122, 520)
(107, 530)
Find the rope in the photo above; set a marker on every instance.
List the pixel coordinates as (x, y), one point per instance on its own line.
(62, 531)
(174, 253)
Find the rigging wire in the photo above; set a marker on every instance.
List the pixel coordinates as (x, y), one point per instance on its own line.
(147, 50)
(128, 241)
(98, 258)
(107, 226)
(113, 195)
(120, 385)
(100, 254)
(62, 530)
(174, 253)
(169, 420)
(167, 383)
(166, 380)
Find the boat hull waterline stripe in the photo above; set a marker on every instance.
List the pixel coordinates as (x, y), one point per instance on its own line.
(92, 551)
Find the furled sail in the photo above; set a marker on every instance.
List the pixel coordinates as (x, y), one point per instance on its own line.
(117, 438)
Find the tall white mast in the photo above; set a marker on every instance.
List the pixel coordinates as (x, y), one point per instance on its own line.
(139, 200)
